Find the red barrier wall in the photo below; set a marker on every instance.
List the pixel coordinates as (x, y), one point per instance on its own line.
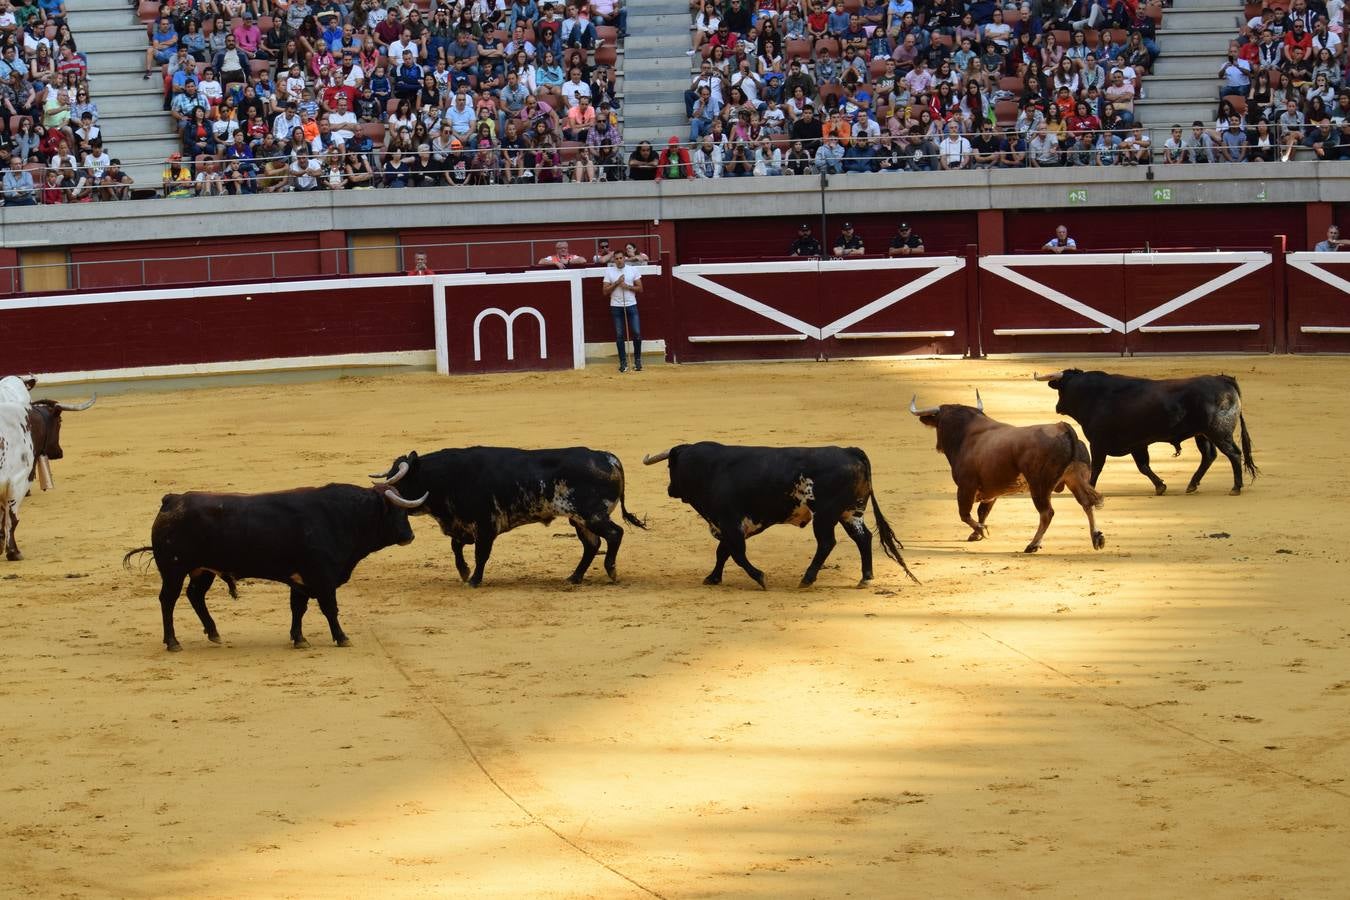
(1020, 318)
(806, 310)
(240, 326)
(519, 327)
(1319, 303)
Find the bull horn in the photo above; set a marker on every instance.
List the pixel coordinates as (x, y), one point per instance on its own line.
(402, 470)
(397, 499)
(654, 458)
(979, 404)
(79, 407)
(1050, 377)
(915, 411)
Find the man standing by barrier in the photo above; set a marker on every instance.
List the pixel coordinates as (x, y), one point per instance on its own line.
(622, 285)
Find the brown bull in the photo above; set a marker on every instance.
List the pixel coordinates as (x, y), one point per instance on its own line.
(990, 459)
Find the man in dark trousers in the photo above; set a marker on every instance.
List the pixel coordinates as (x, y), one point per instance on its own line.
(806, 244)
(622, 284)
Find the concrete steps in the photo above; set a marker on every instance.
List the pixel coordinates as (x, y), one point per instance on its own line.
(656, 67)
(135, 127)
(1203, 64)
(1174, 87)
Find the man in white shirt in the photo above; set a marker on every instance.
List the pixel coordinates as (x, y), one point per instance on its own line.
(305, 171)
(574, 87)
(622, 285)
(459, 116)
(1061, 242)
(286, 121)
(953, 150)
(342, 122)
(405, 42)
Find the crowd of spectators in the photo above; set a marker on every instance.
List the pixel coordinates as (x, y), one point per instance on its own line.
(1283, 87)
(282, 95)
(799, 86)
(51, 148)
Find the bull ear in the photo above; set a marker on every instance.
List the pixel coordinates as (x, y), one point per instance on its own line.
(412, 457)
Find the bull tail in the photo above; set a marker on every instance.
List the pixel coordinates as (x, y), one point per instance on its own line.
(890, 545)
(1248, 463)
(126, 560)
(1078, 475)
(623, 508)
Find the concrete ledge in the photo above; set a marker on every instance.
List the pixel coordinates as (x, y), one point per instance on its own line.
(1225, 184)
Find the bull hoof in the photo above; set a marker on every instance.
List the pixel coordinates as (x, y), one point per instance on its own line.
(213, 638)
(174, 647)
(613, 575)
(474, 583)
(804, 583)
(13, 555)
(301, 644)
(1032, 548)
(759, 580)
(1098, 540)
(1235, 492)
(1160, 489)
(975, 536)
(712, 580)
(575, 579)
(344, 642)
(464, 574)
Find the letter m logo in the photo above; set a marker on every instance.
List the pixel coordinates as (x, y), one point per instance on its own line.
(510, 321)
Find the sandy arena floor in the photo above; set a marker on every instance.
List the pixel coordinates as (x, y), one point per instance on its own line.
(1167, 717)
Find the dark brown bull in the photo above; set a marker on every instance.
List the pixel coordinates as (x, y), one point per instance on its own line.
(990, 459)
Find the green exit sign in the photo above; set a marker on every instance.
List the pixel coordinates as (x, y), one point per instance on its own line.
(1078, 195)
(1162, 195)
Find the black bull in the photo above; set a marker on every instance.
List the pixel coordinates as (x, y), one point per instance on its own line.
(741, 491)
(478, 493)
(309, 539)
(1122, 415)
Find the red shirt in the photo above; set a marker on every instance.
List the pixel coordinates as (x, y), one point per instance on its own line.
(421, 271)
(330, 95)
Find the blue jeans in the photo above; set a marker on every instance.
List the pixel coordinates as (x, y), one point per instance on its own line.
(634, 333)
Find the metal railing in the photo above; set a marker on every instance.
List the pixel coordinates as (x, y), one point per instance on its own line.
(297, 265)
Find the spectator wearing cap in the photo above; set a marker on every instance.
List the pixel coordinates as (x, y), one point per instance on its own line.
(177, 178)
(806, 244)
(247, 35)
(674, 162)
(848, 244)
(905, 242)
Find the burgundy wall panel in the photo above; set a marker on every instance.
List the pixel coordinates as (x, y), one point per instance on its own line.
(218, 329)
(702, 313)
(728, 240)
(1163, 227)
(1247, 301)
(1314, 303)
(938, 307)
(1007, 306)
(515, 345)
(653, 309)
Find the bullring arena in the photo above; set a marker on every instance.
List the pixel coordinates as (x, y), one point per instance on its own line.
(1165, 716)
